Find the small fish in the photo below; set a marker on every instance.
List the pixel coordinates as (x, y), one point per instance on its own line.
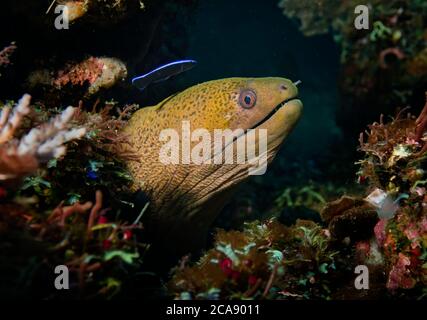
(163, 73)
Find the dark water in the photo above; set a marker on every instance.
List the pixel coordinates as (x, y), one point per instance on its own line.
(254, 39)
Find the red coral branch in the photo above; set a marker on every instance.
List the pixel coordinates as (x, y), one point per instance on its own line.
(87, 71)
(6, 53)
(95, 211)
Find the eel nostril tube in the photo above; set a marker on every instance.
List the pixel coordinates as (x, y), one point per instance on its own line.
(297, 82)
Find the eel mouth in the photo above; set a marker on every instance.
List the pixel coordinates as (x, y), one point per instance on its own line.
(281, 105)
(271, 114)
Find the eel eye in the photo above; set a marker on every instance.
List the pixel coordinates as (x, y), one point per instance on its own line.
(247, 99)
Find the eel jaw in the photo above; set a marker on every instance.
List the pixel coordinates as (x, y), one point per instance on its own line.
(281, 121)
(271, 114)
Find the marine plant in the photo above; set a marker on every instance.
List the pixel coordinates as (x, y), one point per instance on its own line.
(394, 166)
(264, 261)
(90, 76)
(47, 215)
(315, 17)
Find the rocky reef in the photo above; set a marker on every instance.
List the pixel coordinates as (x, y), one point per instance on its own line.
(264, 261)
(65, 193)
(100, 44)
(383, 228)
(382, 66)
(395, 168)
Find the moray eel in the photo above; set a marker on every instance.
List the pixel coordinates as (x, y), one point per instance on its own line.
(186, 198)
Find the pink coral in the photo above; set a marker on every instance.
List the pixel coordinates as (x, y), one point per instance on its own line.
(95, 72)
(411, 232)
(400, 276)
(87, 71)
(6, 53)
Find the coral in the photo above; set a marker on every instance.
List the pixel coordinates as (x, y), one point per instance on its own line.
(349, 217)
(87, 77)
(417, 66)
(315, 16)
(76, 9)
(337, 207)
(10, 122)
(264, 261)
(397, 52)
(403, 241)
(102, 12)
(97, 73)
(387, 53)
(5, 54)
(395, 167)
(400, 275)
(385, 64)
(48, 219)
(421, 124)
(78, 236)
(95, 161)
(104, 130)
(22, 156)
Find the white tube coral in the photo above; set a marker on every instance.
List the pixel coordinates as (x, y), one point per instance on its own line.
(10, 122)
(40, 145)
(47, 141)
